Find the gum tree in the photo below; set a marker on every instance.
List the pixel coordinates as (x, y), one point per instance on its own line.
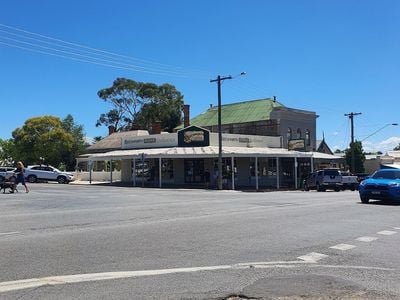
(136, 105)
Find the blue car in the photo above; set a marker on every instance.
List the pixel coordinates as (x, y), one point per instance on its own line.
(383, 185)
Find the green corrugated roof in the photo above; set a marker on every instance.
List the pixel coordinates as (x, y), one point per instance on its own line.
(242, 112)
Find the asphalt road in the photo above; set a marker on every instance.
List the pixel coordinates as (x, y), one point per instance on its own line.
(101, 242)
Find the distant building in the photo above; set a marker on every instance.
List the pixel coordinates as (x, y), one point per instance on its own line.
(375, 162)
(323, 147)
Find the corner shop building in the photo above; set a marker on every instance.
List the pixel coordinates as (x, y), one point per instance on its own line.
(183, 158)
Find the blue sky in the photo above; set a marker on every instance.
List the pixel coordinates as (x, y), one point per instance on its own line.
(331, 57)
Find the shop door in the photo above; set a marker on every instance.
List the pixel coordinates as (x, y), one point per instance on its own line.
(194, 171)
(287, 172)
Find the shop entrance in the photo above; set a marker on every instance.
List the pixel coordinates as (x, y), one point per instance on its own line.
(194, 170)
(287, 172)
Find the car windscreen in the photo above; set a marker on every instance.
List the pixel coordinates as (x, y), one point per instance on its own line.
(331, 172)
(387, 175)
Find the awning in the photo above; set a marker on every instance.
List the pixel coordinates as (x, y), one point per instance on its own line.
(197, 152)
(319, 155)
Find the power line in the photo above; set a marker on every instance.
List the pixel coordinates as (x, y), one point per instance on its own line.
(85, 47)
(113, 59)
(72, 54)
(81, 60)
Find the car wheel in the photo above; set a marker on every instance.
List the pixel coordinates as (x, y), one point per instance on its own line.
(61, 179)
(306, 188)
(32, 178)
(337, 189)
(319, 188)
(364, 199)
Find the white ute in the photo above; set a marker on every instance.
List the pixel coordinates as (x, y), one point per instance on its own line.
(349, 181)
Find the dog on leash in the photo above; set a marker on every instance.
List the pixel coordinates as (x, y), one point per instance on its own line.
(8, 185)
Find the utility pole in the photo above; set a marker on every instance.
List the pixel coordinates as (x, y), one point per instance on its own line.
(351, 117)
(218, 81)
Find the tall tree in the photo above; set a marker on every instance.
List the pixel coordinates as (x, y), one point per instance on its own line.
(359, 157)
(47, 139)
(7, 152)
(136, 105)
(78, 141)
(164, 106)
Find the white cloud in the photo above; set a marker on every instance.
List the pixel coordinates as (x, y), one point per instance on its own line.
(394, 140)
(89, 140)
(382, 146)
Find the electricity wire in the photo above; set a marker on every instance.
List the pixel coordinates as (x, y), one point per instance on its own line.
(109, 59)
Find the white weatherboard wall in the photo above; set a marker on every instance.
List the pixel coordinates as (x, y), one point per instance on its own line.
(98, 176)
(241, 140)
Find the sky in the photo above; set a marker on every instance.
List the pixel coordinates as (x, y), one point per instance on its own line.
(330, 57)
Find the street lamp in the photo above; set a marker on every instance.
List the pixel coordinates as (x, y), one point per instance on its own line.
(218, 81)
(386, 125)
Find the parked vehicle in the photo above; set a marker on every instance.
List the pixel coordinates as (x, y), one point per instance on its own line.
(361, 176)
(7, 174)
(382, 185)
(47, 173)
(323, 179)
(349, 181)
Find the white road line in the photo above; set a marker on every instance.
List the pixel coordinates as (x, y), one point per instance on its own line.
(387, 232)
(396, 227)
(312, 257)
(343, 247)
(58, 280)
(366, 239)
(9, 286)
(351, 267)
(9, 233)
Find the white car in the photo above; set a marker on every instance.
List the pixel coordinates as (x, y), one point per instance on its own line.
(7, 174)
(47, 173)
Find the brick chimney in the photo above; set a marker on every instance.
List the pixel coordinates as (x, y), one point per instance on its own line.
(111, 129)
(156, 127)
(186, 115)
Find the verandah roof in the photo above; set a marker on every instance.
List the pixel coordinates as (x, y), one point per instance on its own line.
(202, 152)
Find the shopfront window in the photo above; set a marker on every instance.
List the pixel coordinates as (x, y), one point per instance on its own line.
(167, 169)
(142, 168)
(194, 170)
(226, 167)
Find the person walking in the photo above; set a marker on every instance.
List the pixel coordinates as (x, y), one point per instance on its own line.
(19, 171)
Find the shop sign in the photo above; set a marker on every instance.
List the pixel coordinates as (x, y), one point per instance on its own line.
(297, 145)
(154, 141)
(193, 136)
